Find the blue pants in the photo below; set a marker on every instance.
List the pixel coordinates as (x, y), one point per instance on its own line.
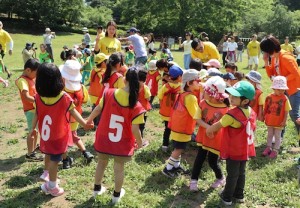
(85, 74)
(141, 60)
(294, 113)
(187, 60)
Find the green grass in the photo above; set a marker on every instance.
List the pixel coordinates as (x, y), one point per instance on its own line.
(270, 183)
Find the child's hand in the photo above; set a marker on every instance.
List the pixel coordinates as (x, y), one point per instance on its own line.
(89, 125)
(283, 124)
(33, 133)
(209, 133)
(139, 144)
(298, 121)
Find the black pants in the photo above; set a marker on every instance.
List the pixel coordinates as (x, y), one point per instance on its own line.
(49, 50)
(212, 161)
(167, 133)
(235, 180)
(142, 126)
(224, 58)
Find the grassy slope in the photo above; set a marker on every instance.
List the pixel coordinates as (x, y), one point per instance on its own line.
(271, 183)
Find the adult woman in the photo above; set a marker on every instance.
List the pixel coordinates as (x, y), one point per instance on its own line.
(109, 44)
(150, 43)
(187, 49)
(283, 63)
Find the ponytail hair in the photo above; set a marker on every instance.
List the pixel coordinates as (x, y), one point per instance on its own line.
(134, 86)
(113, 60)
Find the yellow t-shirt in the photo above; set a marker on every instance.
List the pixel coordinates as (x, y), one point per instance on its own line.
(253, 48)
(191, 104)
(287, 47)
(210, 51)
(22, 85)
(4, 39)
(228, 120)
(52, 100)
(261, 100)
(122, 98)
(109, 45)
(161, 93)
(147, 93)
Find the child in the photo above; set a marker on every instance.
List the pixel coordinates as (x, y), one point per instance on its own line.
(26, 86)
(152, 79)
(44, 56)
(237, 142)
(117, 132)
(71, 75)
(152, 56)
(212, 63)
(164, 66)
(164, 54)
(53, 108)
(257, 103)
(231, 67)
(96, 79)
(129, 57)
(214, 105)
(123, 68)
(87, 66)
(229, 78)
(166, 96)
(4, 82)
(182, 121)
(144, 97)
(2, 66)
(277, 107)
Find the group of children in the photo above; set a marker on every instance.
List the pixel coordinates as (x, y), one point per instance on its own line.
(225, 106)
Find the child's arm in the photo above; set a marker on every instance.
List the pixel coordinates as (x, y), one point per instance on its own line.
(27, 96)
(260, 115)
(34, 132)
(137, 134)
(202, 123)
(2, 64)
(283, 123)
(213, 128)
(97, 110)
(80, 120)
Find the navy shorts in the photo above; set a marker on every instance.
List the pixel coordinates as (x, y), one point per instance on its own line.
(56, 158)
(179, 145)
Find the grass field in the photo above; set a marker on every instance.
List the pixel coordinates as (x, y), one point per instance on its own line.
(269, 183)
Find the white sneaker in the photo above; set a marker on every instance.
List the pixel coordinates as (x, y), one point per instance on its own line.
(98, 193)
(5, 83)
(116, 200)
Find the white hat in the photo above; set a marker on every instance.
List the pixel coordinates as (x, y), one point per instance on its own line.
(203, 73)
(47, 29)
(152, 65)
(279, 83)
(215, 87)
(189, 75)
(71, 70)
(72, 85)
(254, 76)
(85, 29)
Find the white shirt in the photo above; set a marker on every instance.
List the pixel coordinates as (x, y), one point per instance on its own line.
(187, 47)
(47, 38)
(298, 51)
(232, 46)
(225, 46)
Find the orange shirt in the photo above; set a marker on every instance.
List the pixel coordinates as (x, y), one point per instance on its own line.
(288, 68)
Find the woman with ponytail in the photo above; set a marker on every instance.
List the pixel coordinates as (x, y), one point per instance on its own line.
(118, 131)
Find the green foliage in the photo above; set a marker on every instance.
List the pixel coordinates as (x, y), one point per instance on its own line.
(95, 16)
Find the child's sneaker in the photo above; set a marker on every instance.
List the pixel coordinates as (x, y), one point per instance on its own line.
(267, 151)
(169, 173)
(224, 201)
(33, 157)
(5, 83)
(239, 200)
(181, 170)
(115, 199)
(98, 193)
(273, 154)
(218, 183)
(88, 156)
(194, 186)
(67, 163)
(45, 176)
(56, 191)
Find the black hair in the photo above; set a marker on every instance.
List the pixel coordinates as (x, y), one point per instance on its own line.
(122, 56)
(231, 65)
(32, 64)
(196, 64)
(195, 43)
(48, 75)
(244, 98)
(239, 75)
(67, 54)
(113, 60)
(134, 86)
(152, 51)
(189, 34)
(270, 45)
(152, 39)
(142, 74)
(126, 49)
(226, 101)
(99, 27)
(110, 23)
(164, 50)
(162, 63)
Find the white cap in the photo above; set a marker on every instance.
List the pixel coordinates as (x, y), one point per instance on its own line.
(71, 70)
(47, 29)
(85, 29)
(152, 65)
(189, 75)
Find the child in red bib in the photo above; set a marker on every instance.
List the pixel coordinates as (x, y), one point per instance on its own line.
(53, 110)
(237, 144)
(118, 131)
(152, 79)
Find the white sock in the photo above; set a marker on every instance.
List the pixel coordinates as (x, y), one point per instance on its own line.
(52, 184)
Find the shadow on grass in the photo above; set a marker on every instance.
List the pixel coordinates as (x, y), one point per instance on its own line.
(20, 181)
(288, 174)
(29, 198)
(10, 164)
(259, 161)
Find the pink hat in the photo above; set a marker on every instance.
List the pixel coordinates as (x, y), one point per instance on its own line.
(279, 83)
(215, 87)
(214, 63)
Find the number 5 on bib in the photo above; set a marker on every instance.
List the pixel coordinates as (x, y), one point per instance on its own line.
(116, 123)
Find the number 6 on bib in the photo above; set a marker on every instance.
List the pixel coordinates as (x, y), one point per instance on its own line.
(45, 133)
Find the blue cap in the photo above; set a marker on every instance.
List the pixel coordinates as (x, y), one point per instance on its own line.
(133, 29)
(229, 76)
(175, 71)
(28, 45)
(86, 50)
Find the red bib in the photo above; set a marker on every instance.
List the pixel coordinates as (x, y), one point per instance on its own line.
(152, 83)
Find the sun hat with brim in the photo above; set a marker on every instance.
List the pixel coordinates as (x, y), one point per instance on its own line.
(85, 29)
(189, 75)
(71, 70)
(65, 47)
(242, 88)
(152, 65)
(175, 71)
(254, 76)
(215, 87)
(279, 83)
(213, 63)
(47, 29)
(72, 85)
(100, 57)
(203, 73)
(133, 29)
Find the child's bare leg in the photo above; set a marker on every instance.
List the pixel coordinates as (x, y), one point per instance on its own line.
(119, 175)
(102, 164)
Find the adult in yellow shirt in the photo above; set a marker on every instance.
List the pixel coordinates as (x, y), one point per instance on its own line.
(253, 51)
(108, 44)
(5, 39)
(286, 46)
(204, 50)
